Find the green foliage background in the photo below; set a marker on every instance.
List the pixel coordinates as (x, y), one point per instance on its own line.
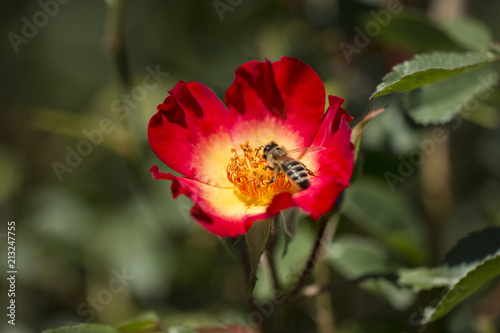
(108, 215)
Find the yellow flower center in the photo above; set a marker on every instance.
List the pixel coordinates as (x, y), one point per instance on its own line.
(247, 173)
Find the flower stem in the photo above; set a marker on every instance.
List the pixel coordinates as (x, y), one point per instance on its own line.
(311, 261)
(315, 290)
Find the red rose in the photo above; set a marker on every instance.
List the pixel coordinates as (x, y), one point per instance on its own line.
(195, 134)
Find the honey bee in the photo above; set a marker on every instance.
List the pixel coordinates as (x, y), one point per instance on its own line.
(279, 159)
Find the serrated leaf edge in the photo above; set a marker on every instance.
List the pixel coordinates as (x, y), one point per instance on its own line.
(379, 93)
(430, 311)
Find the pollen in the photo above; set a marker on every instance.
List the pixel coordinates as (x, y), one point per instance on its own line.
(247, 172)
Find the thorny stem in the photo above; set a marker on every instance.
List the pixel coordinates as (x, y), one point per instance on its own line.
(315, 290)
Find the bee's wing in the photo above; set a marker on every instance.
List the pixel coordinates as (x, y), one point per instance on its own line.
(299, 153)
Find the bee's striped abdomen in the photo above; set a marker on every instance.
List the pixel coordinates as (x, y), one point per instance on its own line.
(296, 172)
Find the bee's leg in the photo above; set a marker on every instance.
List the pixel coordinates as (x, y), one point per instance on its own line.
(276, 170)
(268, 167)
(310, 172)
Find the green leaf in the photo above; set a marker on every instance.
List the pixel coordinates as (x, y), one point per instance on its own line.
(473, 262)
(359, 129)
(399, 298)
(147, 321)
(288, 266)
(429, 68)
(439, 102)
(256, 238)
(137, 326)
(355, 256)
(83, 328)
(386, 215)
(475, 278)
(423, 278)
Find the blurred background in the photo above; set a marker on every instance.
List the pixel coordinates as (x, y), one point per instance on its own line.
(98, 240)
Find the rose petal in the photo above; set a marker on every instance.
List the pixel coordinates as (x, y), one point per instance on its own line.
(320, 197)
(287, 92)
(331, 121)
(338, 159)
(317, 200)
(189, 133)
(217, 209)
(335, 135)
(254, 92)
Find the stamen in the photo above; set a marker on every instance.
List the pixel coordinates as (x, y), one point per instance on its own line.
(248, 175)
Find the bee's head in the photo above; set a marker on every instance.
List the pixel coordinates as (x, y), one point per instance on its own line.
(268, 148)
